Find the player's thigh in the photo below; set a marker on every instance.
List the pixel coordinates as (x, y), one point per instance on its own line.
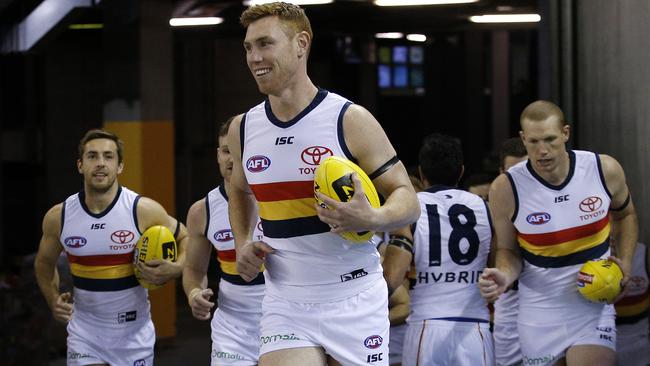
(304, 356)
(589, 355)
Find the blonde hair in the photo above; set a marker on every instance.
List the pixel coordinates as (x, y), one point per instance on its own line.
(541, 110)
(291, 16)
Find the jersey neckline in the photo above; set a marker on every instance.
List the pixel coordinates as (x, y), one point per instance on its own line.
(82, 201)
(320, 96)
(572, 168)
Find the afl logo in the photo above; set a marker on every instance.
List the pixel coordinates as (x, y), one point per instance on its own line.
(374, 341)
(315, 154)
(223, 235)
(74, 241)
(538, 218)
(122, 237)
(590, 204)
(258, 163)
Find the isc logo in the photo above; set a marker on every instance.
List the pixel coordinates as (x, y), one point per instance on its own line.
(223, 235)
(374, 358)
(538, 218)
(374, 341)
(140, 363)
(258, 163)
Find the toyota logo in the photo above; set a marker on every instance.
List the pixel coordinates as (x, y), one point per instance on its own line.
(313, 155)
(590, 204)
(122, 237)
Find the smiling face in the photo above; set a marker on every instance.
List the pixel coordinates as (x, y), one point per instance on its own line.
(274, 54)
(545, 143)
(99, 165)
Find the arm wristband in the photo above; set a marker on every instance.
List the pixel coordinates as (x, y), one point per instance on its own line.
(627, 202)
(382, 169)
(401, 242)
(178, 229)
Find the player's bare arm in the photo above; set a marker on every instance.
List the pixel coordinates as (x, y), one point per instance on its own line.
(370, 146)
(242, 209)
(495, 281)
(622, 213)
(397, 258)
(158, 271)
(47, 256)
(398, 306)
(197, 259)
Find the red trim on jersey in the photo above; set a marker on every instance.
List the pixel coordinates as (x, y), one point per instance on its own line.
(281, 191)
(227, 255)
(562, 236)
(101, 260)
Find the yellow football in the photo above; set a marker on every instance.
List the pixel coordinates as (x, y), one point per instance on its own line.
(333, 178)
(599, 280)
(157, 242)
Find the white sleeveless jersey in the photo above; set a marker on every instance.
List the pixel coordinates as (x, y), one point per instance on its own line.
(236, 297)
(558, 229)
(634, 306)
(279, 159)
(452, 242)
(100, 252)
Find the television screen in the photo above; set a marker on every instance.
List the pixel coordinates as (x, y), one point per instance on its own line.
(384, 76)
(400, 54)
(384, 55)
(400, 76)
(417, 77)
(416, 54)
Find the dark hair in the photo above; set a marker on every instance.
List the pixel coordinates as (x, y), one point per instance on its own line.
(441, 159)
(478, 179)
(511, 147)
(101, 134)
(224, 127)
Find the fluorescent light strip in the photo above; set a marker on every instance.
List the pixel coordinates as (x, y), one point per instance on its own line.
(416, 37)
(389, 35)
(421, 2)
(505, 18)
(188, 22)
(295, 2)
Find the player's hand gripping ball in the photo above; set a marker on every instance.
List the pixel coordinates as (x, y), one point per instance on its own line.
(157, 242)
(599, 280)
(333, 178)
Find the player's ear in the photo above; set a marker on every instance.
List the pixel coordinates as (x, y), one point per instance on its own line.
(303, 41)
(79, 166)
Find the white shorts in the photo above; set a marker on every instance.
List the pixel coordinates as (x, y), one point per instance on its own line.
(397, 334)
(632, 344)
(444, 342)
(87, 345)
(507, 351)
(354, 331)
(233, 345)
(545, 344)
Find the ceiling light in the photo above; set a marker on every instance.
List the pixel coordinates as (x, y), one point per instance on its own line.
(295, 2)
(416, 37)
(420, 2)
(505, 18)
(188, 22)
(389, 35)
